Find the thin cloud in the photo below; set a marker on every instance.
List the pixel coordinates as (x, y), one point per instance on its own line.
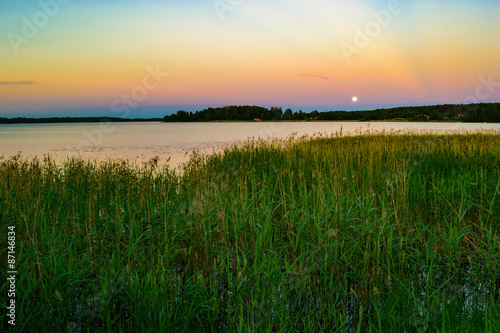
(353, 76)
(317, 75)
(16, 83)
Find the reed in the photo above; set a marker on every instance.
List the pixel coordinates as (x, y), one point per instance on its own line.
(379, 232)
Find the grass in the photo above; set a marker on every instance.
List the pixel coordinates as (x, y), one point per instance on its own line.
(387, 232)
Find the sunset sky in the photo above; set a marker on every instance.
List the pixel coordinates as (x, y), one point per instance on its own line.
(75, 57)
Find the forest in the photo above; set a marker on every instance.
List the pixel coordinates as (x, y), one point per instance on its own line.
(56, 120)
(483, 112)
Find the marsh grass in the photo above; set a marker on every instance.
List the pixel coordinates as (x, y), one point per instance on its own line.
(381, 232)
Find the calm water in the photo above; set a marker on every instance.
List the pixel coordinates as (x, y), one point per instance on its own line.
(142, 141)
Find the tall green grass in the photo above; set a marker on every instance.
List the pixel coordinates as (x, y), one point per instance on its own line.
(387, 232)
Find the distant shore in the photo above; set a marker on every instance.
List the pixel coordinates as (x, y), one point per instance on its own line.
(472, 113)
(462, 113)
(121, 120)
(65, 120)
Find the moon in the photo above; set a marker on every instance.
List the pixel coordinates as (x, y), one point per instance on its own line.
(354, 99)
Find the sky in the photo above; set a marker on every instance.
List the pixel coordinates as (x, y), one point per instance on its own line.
(149, 58)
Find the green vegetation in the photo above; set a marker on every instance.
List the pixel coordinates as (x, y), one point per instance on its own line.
(56, 120)
(483, 112)
(387, 232)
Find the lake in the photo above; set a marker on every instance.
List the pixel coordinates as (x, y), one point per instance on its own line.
(141, 141)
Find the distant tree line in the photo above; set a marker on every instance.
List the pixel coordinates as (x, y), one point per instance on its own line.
(231, 112)
(483, 112)
(24, 120)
